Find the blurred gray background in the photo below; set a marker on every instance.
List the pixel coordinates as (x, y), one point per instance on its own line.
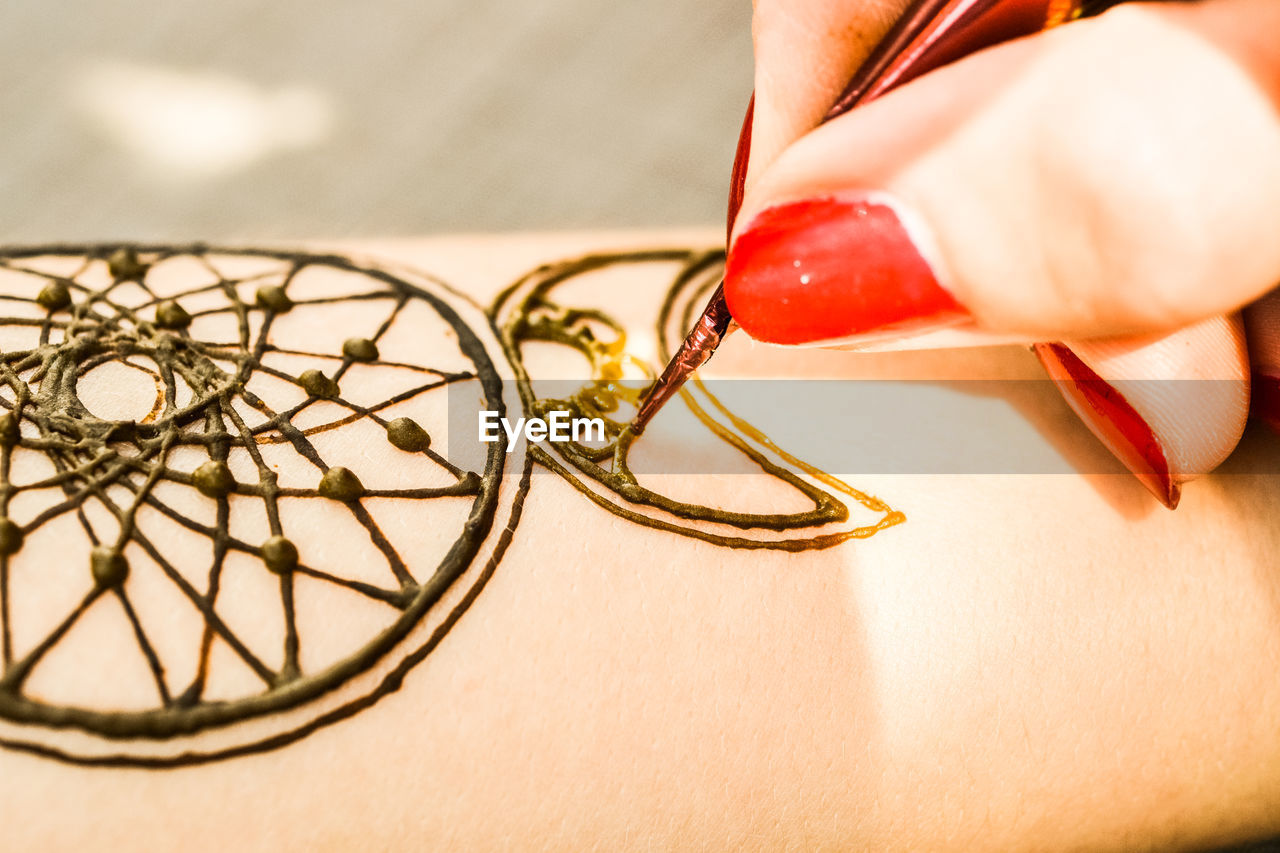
(174, 119)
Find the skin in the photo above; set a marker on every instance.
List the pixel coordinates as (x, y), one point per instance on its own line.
(1113, 183)
(1026, 663)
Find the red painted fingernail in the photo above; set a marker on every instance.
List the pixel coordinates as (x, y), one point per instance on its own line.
(833, 268)
(1266, 399)
(738, 181)
(1112, 419)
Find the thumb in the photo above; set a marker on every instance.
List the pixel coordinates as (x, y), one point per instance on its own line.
(1114, 176)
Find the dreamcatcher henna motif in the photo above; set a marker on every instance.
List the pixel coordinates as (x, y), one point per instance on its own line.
(199, 326)
(185, 497)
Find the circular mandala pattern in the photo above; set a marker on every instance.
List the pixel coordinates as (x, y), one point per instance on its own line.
(168, 473)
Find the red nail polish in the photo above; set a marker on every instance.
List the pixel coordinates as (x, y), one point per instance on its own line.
(738, 181)
(830, 269)
(1266, 399)
(1110, 417)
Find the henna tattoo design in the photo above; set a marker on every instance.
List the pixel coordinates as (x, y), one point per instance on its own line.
(201, 326)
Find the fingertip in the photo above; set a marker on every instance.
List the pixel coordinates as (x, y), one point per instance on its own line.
(838, 267)
(1171, 407)
(1069, 185)
(1262, 325)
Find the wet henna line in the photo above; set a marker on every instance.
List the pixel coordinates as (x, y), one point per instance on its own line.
(289, 670)
(378, 333)
(326, 300)
(459, 489)
(232, 294)
(18, 672)
(69, 474)
(792, 545)
(128, 521)
(6, 635)
(267, 478)
(209, 288)
(76, 500)
(380, 541)
(148, 651)
(170, 388)
(217, 450)
(357, 412)
(332, 357)
(6, 493)
(268, 490)
(399, 599)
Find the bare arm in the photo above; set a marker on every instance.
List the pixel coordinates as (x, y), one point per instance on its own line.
(1023, 663)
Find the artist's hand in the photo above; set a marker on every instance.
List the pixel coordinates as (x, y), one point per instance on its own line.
(1114, 183)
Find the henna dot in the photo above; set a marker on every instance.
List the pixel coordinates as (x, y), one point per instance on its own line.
(317, 384)
(279, 554)
(360, 349)
(10, 432)
(125, 266)
(54, 296)
(171, 315)
(213, 479)
(108, 565)
(11, 536)
(340, 484)
(273, 298)
(405, 434)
